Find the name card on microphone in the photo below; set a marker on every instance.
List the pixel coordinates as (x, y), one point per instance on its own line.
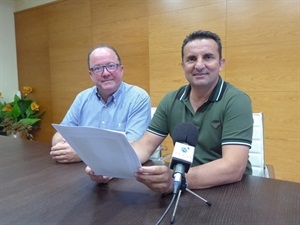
(106, 152)
(183, 152)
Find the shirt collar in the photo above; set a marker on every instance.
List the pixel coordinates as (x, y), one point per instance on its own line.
(215, 96)
(114, 97)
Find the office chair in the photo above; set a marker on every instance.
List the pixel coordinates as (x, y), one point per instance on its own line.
(256, 153)
(156, 157)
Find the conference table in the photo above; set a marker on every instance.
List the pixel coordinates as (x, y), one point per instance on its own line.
(36, 190)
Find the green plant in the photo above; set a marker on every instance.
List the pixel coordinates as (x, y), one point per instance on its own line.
(20, 115)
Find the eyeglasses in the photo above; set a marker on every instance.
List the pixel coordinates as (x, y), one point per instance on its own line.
(99, 69)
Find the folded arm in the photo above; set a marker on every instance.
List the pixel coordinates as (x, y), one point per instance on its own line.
(61, 151)
(228, 169)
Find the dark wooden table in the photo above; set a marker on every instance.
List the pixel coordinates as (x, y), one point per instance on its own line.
(34, 190)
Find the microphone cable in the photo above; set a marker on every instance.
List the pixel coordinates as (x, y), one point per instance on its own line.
(167, 209)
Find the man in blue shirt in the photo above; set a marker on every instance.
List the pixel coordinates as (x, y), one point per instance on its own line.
(111, 104)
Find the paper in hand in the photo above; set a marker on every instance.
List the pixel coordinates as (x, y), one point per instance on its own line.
(106, 152)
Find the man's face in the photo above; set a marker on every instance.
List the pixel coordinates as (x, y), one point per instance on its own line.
(201, 63)
(107, 82)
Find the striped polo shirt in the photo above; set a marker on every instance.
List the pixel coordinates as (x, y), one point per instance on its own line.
(224, 119)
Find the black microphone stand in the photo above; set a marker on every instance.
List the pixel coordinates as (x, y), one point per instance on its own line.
(183, 188)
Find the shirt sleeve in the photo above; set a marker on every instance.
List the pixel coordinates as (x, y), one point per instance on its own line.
(238, 121)
(139, 117)
(73, 114)
(159, 122)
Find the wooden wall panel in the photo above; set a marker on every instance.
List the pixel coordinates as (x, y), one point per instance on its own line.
(284, 156)
(167, 30)
(131, 36)
(161, 7)
(166, 33)
(262, 58)
(127, 33)
(166, 74)
(111, 11)
(69, 25)
(264, 67)
(260, 22)
(136, 71)
(73, 48)
(260, 44)
(68, 79)
(33, 63)
(68, 15)
(68, 66)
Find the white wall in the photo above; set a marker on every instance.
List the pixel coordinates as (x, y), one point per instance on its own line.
(8, 58)
(25, 4)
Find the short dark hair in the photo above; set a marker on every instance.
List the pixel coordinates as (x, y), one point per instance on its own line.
(202, 34)
(103, 46)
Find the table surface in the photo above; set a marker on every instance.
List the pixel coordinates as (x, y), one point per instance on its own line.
(37, 190)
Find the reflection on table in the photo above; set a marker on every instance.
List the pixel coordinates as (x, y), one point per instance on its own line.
(37, 190)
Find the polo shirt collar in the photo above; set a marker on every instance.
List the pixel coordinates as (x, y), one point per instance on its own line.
(218, 91)
(114, 97)
(216, 94)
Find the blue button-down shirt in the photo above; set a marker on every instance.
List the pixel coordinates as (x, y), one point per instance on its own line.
(128, 110)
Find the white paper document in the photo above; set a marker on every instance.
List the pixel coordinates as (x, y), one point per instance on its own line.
(106, 152)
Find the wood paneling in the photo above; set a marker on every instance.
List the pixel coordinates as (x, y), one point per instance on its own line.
(69, 25)
(67, 80)
(74, 47)
(33, 63)
(124, 25)
(262, 58)
(130, 39)
(161, 7)
(263, 67)
(259, 22)
(167, 30)
(68, 15)
(166, 33)
(260, 44)
(114, 11)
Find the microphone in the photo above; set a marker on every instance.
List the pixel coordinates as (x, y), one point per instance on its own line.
(185, 137)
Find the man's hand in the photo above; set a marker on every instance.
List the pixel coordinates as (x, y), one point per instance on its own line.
(97, 178)
(157, 178)
(63, 153)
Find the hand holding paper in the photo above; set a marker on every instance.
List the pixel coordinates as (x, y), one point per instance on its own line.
(106, 152)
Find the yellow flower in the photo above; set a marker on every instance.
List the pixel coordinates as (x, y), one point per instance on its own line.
(26, 90)
(35, 107)
(7, 108)
(1, 95)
